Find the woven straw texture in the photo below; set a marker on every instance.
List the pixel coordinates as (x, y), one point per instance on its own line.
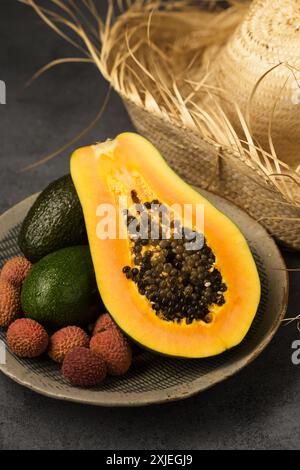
(201, 163)
(269, 37)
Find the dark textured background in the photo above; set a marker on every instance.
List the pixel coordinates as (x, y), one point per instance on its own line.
(257, 409)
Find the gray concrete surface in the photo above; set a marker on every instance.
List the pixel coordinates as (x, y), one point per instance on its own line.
(257, 409)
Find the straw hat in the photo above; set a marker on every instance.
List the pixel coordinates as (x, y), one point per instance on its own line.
(259, 67)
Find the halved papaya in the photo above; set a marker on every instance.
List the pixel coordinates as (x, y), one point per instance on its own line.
(190, 291)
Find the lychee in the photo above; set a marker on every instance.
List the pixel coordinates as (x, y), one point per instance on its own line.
(66, 339)
(15, 270)
(84, 368)
(27, 338)
(103, 323)
(114, 348)
(10, 303)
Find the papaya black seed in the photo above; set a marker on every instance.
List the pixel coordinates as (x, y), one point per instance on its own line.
(164, 243)
(188, 290)
(134, 197)
(168, 267)
(137, 248)
(159, 268)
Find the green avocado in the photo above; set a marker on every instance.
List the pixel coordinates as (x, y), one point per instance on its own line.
(61, 289)
(54, 221)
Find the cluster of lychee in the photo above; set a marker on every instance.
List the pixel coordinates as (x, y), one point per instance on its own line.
(85, 361)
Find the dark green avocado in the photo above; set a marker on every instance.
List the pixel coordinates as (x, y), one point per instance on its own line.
(54, 221)
(61, 289)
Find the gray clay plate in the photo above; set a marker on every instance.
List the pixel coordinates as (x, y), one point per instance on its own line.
(152, 378)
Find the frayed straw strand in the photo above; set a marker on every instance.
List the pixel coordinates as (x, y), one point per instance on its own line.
(71, 142)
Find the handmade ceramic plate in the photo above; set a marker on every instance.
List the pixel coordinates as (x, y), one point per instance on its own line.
(153, 378)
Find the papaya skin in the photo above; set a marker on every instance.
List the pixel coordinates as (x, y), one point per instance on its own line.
(98, 173)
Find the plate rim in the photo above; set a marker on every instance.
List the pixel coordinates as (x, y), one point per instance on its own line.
(171, 394)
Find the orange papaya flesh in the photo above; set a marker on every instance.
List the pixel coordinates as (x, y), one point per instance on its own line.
(129, 167)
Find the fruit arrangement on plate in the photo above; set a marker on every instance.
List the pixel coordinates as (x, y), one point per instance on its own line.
(109, 261)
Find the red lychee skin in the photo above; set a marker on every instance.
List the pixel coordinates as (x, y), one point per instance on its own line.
(114, 348)
(15, 270)
(66, 339)
(10, 303)
(83, 368)
(27, 338)
(103, 323)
